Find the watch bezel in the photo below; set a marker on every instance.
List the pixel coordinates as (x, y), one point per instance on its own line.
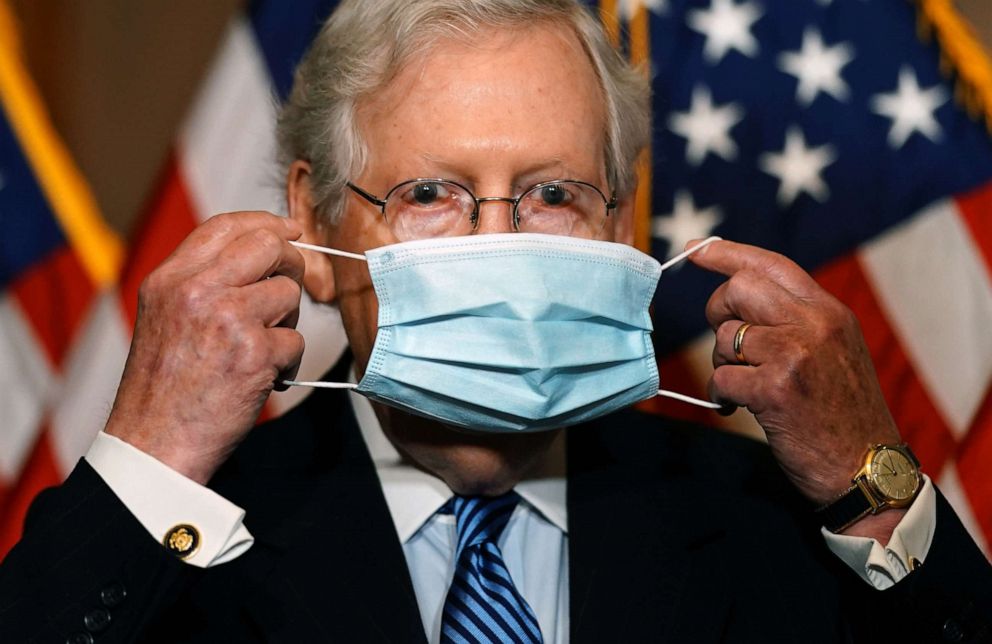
(878, 498)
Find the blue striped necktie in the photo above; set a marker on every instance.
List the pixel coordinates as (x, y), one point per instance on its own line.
(482, 604)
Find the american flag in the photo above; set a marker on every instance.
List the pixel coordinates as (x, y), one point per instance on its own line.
(824, 130)
(828, 131)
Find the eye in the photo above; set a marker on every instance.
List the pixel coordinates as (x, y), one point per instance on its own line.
(427, 193)
(554, 195)
(428, 198)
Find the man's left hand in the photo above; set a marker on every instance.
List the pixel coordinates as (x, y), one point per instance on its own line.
(808, 379)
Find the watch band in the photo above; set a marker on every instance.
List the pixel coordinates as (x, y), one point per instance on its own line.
(847, 509)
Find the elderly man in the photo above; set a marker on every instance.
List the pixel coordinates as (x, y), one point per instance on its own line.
(469, 166)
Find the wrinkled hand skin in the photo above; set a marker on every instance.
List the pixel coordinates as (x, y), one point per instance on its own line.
(809, 380)
(215, 331)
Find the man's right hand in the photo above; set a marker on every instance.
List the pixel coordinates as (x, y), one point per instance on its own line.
(215, 332)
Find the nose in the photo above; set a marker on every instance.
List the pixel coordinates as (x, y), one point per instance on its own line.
(495, 215)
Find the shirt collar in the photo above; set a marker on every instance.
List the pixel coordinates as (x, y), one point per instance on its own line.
(413, 496)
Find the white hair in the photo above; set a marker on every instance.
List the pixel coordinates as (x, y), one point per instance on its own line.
(365, 43)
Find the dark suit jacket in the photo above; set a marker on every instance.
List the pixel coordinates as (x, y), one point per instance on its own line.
(677, 533)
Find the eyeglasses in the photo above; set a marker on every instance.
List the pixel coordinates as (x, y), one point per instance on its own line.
(422, 208)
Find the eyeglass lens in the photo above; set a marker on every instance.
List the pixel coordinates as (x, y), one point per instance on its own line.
(424, 208)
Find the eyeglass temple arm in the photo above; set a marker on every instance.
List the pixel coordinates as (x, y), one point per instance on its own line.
(371, 198)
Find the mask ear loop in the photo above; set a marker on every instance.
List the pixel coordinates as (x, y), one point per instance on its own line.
(664, 267)
(319, 383)
(678, 258)
(331, 251)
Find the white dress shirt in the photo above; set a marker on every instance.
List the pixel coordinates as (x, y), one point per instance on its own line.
(161, 498)
(534, 543)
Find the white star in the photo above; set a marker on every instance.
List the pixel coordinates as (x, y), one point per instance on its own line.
(818, 68)
(910, 108)
(706, 127)
(685, 223)
(726, 26)
(798, 168)
(629, 8)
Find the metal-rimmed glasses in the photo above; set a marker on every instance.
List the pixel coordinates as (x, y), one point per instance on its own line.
(423, 208)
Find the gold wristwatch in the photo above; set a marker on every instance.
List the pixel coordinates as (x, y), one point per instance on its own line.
(889, 478)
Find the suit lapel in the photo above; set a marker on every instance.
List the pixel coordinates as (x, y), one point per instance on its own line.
(363, 592)
(326, 546)
(645, 555)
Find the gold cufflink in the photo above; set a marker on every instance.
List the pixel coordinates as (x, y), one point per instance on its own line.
(182, 540)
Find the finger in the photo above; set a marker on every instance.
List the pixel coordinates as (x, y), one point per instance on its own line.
(753, 298)
(729, 258)
(273, 302)
(257, 254)
(287, 352)
(758, 345)
(210, 237)
(736, 385)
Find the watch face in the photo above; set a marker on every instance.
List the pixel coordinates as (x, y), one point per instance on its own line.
(894, 475)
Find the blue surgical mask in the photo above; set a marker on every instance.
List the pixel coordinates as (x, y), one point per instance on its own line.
(511, 332)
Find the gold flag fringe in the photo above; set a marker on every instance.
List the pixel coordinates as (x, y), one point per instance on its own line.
(8, 28)
(961, 56)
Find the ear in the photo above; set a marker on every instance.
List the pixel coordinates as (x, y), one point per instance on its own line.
(318, 278)
(623, 228)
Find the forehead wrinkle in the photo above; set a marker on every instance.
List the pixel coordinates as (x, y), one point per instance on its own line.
(537, 165)
(408, 81)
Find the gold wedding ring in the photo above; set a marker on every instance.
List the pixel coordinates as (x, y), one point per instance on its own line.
(739, 342)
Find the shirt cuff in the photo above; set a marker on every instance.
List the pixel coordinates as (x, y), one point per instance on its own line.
(161, 498)
(884, 566)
